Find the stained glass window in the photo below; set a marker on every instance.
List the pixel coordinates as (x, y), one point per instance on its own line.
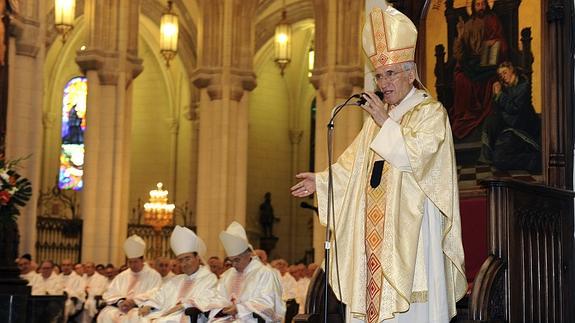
(73, 127)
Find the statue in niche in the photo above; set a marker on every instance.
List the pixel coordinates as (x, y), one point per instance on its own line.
(267, 218)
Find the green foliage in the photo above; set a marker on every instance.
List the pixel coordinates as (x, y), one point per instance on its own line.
(15, 190)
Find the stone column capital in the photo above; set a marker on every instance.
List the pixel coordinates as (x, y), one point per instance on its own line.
(26, 31)
(211, 78)
(112, 40)
(208, 78)
(241, 80)
(344, 78)
(225, 63)
(107, 63)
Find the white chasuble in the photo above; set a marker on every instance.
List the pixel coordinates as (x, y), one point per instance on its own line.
(421, 182)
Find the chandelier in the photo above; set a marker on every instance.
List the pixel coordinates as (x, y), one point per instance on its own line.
(158, 213)
(282, 43)
(64, 15)
(169, 34)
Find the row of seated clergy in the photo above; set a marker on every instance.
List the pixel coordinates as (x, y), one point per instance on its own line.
(79, 291)
(47, 290)
(245, 292)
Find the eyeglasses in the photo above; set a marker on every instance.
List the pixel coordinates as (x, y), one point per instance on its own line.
(387, 76)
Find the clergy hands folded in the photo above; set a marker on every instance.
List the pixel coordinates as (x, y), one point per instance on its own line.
(230, 310)
(305, 187)
(126, 305)
(143, 311)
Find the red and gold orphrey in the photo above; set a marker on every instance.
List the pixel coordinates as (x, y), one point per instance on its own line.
(374, 229)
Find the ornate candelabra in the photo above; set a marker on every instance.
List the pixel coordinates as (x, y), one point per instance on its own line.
(158, 212)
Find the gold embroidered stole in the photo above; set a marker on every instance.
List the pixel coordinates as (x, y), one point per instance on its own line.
(374, 226)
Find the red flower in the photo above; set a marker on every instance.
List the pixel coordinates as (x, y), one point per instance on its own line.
(5, 197)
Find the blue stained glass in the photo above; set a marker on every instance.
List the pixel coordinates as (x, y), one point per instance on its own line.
(73, 128)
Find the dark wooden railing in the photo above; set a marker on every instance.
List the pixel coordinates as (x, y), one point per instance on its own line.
(529, 275)
(59, 239)
(59, 226)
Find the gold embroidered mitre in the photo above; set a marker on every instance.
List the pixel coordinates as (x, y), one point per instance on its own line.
(389, 37)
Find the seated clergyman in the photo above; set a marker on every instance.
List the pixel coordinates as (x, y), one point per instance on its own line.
(163, 267)
(48, 282)
(249, 287)
(132, 287)
(196, 287)
(74, 288)
(26, 267)
(94, 286)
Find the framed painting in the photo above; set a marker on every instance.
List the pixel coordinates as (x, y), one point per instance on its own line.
(483, 64)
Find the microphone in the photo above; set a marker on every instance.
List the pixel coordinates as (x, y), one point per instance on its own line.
(306, 205)
(362, 100)
(338, 108)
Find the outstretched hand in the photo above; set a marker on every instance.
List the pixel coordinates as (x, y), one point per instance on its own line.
(305, 187)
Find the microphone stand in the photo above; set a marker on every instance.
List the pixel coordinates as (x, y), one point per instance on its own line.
(330, 207)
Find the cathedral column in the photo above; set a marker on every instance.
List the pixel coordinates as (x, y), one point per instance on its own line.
(110, 63)
(338, 74)
(224, 76)
(557, 85)
(24, 117)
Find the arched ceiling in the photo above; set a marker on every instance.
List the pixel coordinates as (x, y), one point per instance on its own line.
(270, 12)
(187, 45)
(268, 15)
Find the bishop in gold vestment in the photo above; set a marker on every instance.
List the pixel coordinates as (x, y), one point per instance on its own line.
(396, 200)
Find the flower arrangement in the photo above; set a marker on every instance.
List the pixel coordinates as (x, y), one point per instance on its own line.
(15, 190)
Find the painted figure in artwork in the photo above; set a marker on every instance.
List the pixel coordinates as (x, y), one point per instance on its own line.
(511, 133)
(479, 47)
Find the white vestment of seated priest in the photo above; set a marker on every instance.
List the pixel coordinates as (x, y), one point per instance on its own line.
(129, 285)
(47, 286)
(95, 285)
(75, 288)
(256, 290)
(196, 290)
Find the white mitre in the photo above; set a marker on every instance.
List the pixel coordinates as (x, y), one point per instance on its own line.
(184, 240)
(134, 247)
(234, 239)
